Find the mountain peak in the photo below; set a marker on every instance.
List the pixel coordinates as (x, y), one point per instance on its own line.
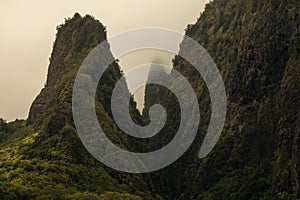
(75, 38)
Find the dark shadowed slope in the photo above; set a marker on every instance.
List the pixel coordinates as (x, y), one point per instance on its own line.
(255, 44)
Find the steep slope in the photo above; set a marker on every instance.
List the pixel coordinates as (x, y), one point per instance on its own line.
(43, 157)
(255, 44)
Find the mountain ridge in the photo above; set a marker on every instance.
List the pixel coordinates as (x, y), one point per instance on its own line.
(255, 44)
(43, 157)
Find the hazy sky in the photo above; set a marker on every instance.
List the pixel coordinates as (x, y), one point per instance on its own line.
(28, 32)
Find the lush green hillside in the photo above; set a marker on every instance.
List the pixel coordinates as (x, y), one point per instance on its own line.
(255, 44)
(43, 158)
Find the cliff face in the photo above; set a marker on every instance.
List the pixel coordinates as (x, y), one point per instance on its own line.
(255, 44)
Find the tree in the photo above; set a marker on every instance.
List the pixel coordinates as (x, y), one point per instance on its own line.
(3, 125)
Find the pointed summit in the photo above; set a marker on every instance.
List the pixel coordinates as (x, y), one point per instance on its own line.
(74, 40)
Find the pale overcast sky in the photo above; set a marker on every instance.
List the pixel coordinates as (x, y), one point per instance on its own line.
(28, 32)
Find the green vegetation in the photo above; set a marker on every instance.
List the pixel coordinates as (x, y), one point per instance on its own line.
(255, 44)
(43, 158)
(48, 174)
(246, 184)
